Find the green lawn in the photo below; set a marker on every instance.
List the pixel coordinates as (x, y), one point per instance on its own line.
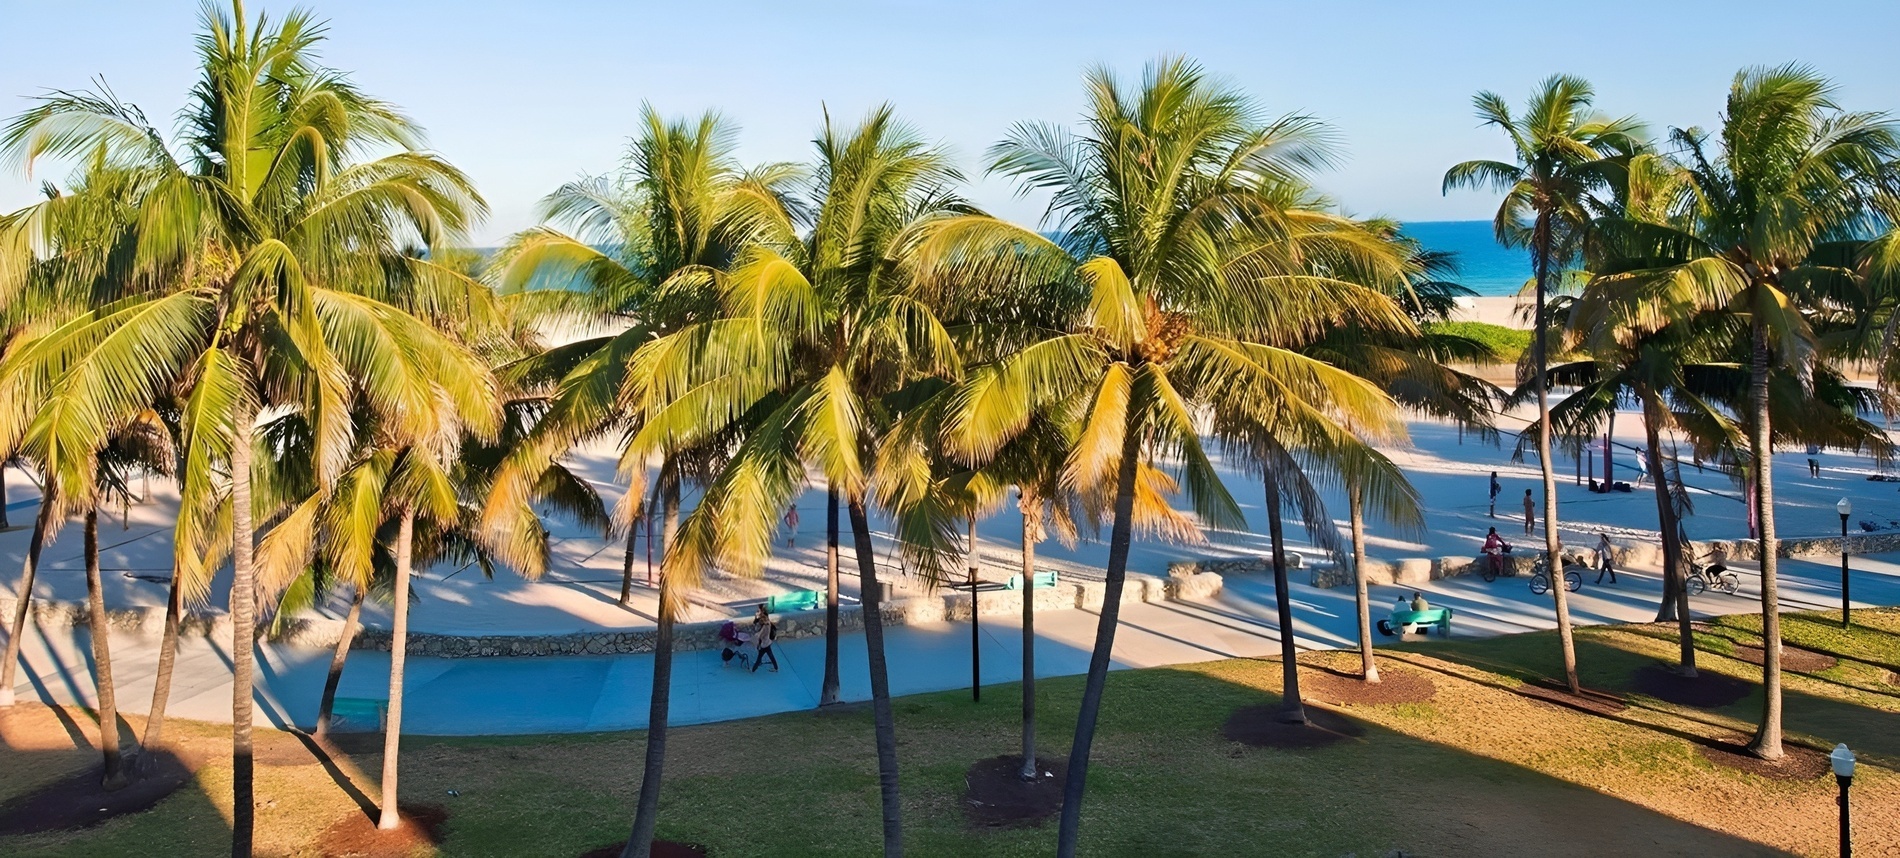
(1478, 770)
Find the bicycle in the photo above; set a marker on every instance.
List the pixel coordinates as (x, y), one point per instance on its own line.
(1540, 578)
(1700, 579)
(1494, 565)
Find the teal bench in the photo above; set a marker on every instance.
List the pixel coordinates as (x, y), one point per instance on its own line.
(1439, 618)
(1040, 581)
(798, 600)
(364, 714)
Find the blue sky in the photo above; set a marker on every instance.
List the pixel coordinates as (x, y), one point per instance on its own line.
(527, 95)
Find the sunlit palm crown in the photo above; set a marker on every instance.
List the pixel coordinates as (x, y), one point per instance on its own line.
(263, 239)
(1772, 221)
(1566, 156)
(1191, 266)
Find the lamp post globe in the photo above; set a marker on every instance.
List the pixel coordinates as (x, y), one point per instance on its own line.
(1842, 761)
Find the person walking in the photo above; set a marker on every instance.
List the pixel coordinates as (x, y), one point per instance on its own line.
(791, 526)
(1814, 460)
(1530, 513)
(764, 634)
(1496, 487)
(1606, 561)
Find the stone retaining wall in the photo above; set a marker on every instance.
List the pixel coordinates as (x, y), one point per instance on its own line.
(149, 623)
(1419, 570)
(912, 610)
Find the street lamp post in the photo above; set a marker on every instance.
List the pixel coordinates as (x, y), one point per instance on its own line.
(1845, 508)
(1842, 760)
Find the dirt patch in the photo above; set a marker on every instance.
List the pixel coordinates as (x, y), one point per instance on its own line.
(1556, 693)
(661, 849)
(1261, 727)
(299, 749)
(1792, 658)
(1705, 691)
(998, 797)
(1797, 763)
(1347, 689)
(79, 801)
(356, 835)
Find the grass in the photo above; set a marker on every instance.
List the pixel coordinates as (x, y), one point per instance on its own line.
(1478, 770)
(1506, 345)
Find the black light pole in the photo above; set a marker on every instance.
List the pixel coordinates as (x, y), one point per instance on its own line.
(1845, 508)
(976, 642)
(1843, 762)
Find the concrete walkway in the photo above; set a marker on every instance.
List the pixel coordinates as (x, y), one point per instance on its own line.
(589, 693)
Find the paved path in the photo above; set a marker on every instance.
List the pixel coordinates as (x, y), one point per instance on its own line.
(588, 693)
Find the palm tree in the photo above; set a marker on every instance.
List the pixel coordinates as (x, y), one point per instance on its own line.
(817, 337)
(272, 223)
(1782, 201)
(1410, 367)
(1182, 272)
(1563, 156)
(57, 257)
(653, 248)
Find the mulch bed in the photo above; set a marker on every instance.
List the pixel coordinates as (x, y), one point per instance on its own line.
(356, 835)
(1347, 689)
(1558, 694)
(1792, 658)
(661, 849)
(1798, 762)
(998, 797)
(79, 801)
(1261, 727)
(1706, 691)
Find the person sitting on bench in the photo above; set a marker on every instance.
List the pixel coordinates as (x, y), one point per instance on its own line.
(1419, 603)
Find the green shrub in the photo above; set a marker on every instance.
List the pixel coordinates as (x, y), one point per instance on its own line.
(1498, 343)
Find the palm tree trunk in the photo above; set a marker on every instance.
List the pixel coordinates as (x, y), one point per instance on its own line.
(4, 524)
(1675, 592)
(669, 514)
(828, 691)
(1031, 509)
(24, 603)
(886, 723)
(398, 650)
(342, 654)
(626, 566)
(243, 630)
(1114, 577)
(1541, 355)
(1294, 711)
(102, 656)
(646, 814)
(167, 660)
(1767, 741)
(1356, 503)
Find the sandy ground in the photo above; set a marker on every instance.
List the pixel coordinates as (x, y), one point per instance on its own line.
(1508, 311)
(580, 592)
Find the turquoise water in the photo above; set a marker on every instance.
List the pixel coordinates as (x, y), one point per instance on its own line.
(1485, 267)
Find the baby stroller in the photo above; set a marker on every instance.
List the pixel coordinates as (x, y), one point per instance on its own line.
(731, 646)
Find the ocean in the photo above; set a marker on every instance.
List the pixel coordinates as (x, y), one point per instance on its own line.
(1485, 267)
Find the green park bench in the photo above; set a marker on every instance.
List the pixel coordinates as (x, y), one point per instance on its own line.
(797, 600)
(1041, 581)
(358, 713)
(1439, 618)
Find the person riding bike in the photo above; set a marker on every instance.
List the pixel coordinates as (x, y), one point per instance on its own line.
(1495, 548)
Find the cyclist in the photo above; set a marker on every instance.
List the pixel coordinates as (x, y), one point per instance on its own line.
(1494, 549)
